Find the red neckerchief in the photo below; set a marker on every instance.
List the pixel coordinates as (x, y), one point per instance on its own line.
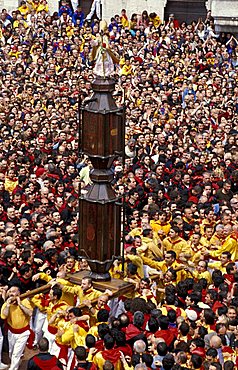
(112, 355)
(126, 349)
(83, 324)
(132, 331)
(45, 364)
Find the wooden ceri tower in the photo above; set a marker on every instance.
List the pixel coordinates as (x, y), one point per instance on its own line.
(102, 139)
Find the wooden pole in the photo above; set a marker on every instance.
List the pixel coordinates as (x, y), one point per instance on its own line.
(42, 289)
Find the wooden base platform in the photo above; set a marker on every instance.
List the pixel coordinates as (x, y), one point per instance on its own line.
(118, 287)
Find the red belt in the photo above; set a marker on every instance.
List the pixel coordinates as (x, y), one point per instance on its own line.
(52, 329)
(18, 331)
(63, 351)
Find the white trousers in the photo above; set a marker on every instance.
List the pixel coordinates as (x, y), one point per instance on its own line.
(94, 8)
(1, 344)
(39, 321)
(55, 350)
(51, 339)
(17, 344)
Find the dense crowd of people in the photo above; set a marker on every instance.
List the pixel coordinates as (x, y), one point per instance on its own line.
(178, 83)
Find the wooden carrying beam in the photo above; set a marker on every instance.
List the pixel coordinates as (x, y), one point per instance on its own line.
(118, 287)
(42, 289)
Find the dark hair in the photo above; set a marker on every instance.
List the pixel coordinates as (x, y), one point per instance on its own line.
(170, 298)
(182, 346)
(230, 267)
(172, 253)
(103, 329)
(194, 297)
(146, 232)
(212, 352)
(168, 361)
(213, 294)
(203, 283)
(172, 315)
(217, 280)
(80, 353)
(109, 341)
(147, 359)
(25, 255)
(76, 311)
(24, 268)
(108, 365)
(184, 328)
(90, 341)
(209, 316)
(57, 291)
(135, 359)
(132, 268)
(196, 361)
(50, 253)
(156, 313)
(176, 229)
(127, 304)
(153, 325)
(138, 319)
(120, 338)
(163, 322)
(103, 315)
(43, 345)
(8, 254)
(222, 310)
(219, 326)
(202, 331)
(138, 304)
(228, 365)
(90, 281)
(199, 342)
(228, 254)
(162, 348)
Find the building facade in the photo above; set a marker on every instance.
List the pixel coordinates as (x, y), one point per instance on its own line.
(225, 12)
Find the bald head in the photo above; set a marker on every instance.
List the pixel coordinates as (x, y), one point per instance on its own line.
(215, 342)
(139, 346)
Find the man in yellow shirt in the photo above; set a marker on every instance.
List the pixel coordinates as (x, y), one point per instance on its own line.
(132, 256)
(175, 242)
(230, 243)
(201, 272)
(160, 224)
(17, 315)
(206, 239)
(169, 262)
(196, 248)
(110, 353)
(24, 9)
(51, 307)
(225, 258)
(149, 247)
(84, 291)
(218, 237)
(71, 333)
(76, 331)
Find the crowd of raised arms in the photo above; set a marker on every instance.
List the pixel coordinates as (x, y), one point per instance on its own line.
(178, 82)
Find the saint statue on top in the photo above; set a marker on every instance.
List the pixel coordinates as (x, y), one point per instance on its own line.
(101, 53)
